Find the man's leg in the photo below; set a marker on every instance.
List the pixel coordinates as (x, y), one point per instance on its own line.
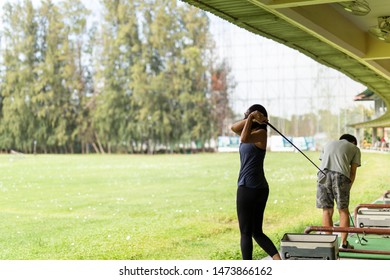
(327, 218)
(342, 189)
(344, 222)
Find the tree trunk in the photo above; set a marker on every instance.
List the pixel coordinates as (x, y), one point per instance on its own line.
(101, 149)
(95, 148)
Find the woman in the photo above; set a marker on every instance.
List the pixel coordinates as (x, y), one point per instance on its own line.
(252, 192)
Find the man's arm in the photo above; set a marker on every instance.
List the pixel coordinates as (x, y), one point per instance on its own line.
(352, 176)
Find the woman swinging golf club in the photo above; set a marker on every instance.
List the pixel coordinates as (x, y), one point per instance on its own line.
(253, 190)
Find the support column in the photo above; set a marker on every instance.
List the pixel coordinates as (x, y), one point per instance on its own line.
(358, 136)
(374, 136)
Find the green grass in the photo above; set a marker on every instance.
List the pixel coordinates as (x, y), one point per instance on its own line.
(153, 207)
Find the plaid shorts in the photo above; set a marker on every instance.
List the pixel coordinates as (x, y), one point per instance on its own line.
(335, 187)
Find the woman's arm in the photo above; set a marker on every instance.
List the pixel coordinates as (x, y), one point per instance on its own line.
(257, 137)
(238, 126)
(243, 128)
(247, 130)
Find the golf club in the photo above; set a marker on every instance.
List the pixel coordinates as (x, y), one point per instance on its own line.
(353, 224)
(295, 147)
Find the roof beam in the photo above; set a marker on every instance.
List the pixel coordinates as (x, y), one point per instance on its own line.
(278, 4)
(326, 23)
(322, 21)
(376, 49)
(383, 66)
(257, 18)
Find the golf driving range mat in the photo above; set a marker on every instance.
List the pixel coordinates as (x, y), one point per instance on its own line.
(367, 243)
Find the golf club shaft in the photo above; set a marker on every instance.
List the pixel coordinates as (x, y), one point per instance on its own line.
(295, 147)
(353, 224)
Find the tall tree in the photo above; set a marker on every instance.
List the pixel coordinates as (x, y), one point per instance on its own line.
(120, 51)
(222, 85)
(156, 92)
(20, 30)
(55, 111)
(78, 72)
(140, 79)
(197, 44)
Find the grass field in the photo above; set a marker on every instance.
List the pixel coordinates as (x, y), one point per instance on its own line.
(153, 207)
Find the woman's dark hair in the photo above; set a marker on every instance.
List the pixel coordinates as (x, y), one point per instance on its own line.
(349, 138)
(261, 109)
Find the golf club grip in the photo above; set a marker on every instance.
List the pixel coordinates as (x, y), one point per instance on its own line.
(295, 146)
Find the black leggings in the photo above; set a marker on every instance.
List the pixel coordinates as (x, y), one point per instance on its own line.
(250, 210)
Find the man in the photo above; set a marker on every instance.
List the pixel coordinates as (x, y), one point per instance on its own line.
(339, 161)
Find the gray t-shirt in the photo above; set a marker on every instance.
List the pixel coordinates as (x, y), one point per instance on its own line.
(339, 155)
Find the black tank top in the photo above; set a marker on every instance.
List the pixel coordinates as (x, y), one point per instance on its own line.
(252, 167)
